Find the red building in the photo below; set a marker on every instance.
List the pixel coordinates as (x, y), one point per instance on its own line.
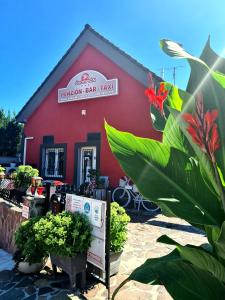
(64, 119)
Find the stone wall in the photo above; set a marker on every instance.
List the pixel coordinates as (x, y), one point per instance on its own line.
(10, 219)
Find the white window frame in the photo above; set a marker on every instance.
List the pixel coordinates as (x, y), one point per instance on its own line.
(56, 150)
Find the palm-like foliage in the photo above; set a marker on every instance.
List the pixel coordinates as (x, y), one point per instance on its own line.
(189, 163)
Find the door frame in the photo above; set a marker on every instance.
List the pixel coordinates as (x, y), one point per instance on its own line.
(93, 140)
(81, 159)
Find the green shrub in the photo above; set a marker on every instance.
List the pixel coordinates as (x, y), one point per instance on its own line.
(64, 234)
(31, 249)
(118, 227)
(2, 170)
(23, 175)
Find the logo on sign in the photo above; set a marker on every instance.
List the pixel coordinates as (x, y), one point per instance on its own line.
(87, 208)
(96, 215)
(86, 85)
(85, 78)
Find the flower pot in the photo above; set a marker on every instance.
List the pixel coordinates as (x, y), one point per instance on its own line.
(115, 259)
(2, 175)
(26, 268)
(72, 266)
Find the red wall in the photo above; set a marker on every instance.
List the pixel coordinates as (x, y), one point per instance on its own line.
(128, 111)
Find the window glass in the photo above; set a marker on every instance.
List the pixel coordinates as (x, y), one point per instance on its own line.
(54, 162)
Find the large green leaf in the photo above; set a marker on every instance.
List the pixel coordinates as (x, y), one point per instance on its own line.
(210, 82)
(182, 280)
(158, 120)
(212, 233)
(185, 281)
(206, 167)
(220, 243)
(198, 257)
(153, 165)
(147, 273)
(172, 135)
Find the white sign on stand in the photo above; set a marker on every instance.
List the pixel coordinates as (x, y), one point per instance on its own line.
(96, 212)
(25, 211)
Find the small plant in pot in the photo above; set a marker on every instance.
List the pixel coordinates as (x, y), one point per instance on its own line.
(22, 178)
(67, 237)
(118, 235)
(30, 256)
(2, 172)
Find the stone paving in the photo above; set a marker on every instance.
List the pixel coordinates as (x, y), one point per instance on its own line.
(143, 233)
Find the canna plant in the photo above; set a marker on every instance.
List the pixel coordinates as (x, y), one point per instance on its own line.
(189, 163)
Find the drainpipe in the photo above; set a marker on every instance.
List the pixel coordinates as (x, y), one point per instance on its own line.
(25, 148)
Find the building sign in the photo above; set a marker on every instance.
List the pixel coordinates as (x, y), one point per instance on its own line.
(95, 210)
(87, 85)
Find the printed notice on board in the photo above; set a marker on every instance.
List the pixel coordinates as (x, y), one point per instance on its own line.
(25, 211)
(96, 213)
(87, 208)
(95, 210)
(68, 206)
(77, 203)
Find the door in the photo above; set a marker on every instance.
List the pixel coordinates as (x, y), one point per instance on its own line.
(87, 162)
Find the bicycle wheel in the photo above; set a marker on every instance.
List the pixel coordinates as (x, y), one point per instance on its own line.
(121, 196)
(150, 206)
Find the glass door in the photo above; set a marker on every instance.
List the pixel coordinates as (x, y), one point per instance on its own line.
(87, 162)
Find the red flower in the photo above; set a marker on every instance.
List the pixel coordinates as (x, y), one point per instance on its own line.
(214, 143)
(156, 99)
(203, 129)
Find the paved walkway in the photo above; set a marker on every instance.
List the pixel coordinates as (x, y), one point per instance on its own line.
(143, 233)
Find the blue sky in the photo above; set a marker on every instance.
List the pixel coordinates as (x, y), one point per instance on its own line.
(36, 34)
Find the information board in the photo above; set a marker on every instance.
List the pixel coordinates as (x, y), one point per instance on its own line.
(95, 210)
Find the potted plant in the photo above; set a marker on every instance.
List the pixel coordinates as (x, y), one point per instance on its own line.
(67, 237)
(118, 235)
(30, 255)
(2, 172)
(22, 178)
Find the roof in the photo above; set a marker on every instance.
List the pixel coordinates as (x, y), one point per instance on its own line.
(93, 38)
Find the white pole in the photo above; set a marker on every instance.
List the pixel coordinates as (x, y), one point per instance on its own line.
(25, 148)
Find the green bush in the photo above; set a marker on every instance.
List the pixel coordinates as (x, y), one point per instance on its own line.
(118, 227)
(2, 169)
(64, 234)
(31, 249)
(23, 175)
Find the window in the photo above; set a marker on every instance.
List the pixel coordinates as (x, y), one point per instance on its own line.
(53, 162)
